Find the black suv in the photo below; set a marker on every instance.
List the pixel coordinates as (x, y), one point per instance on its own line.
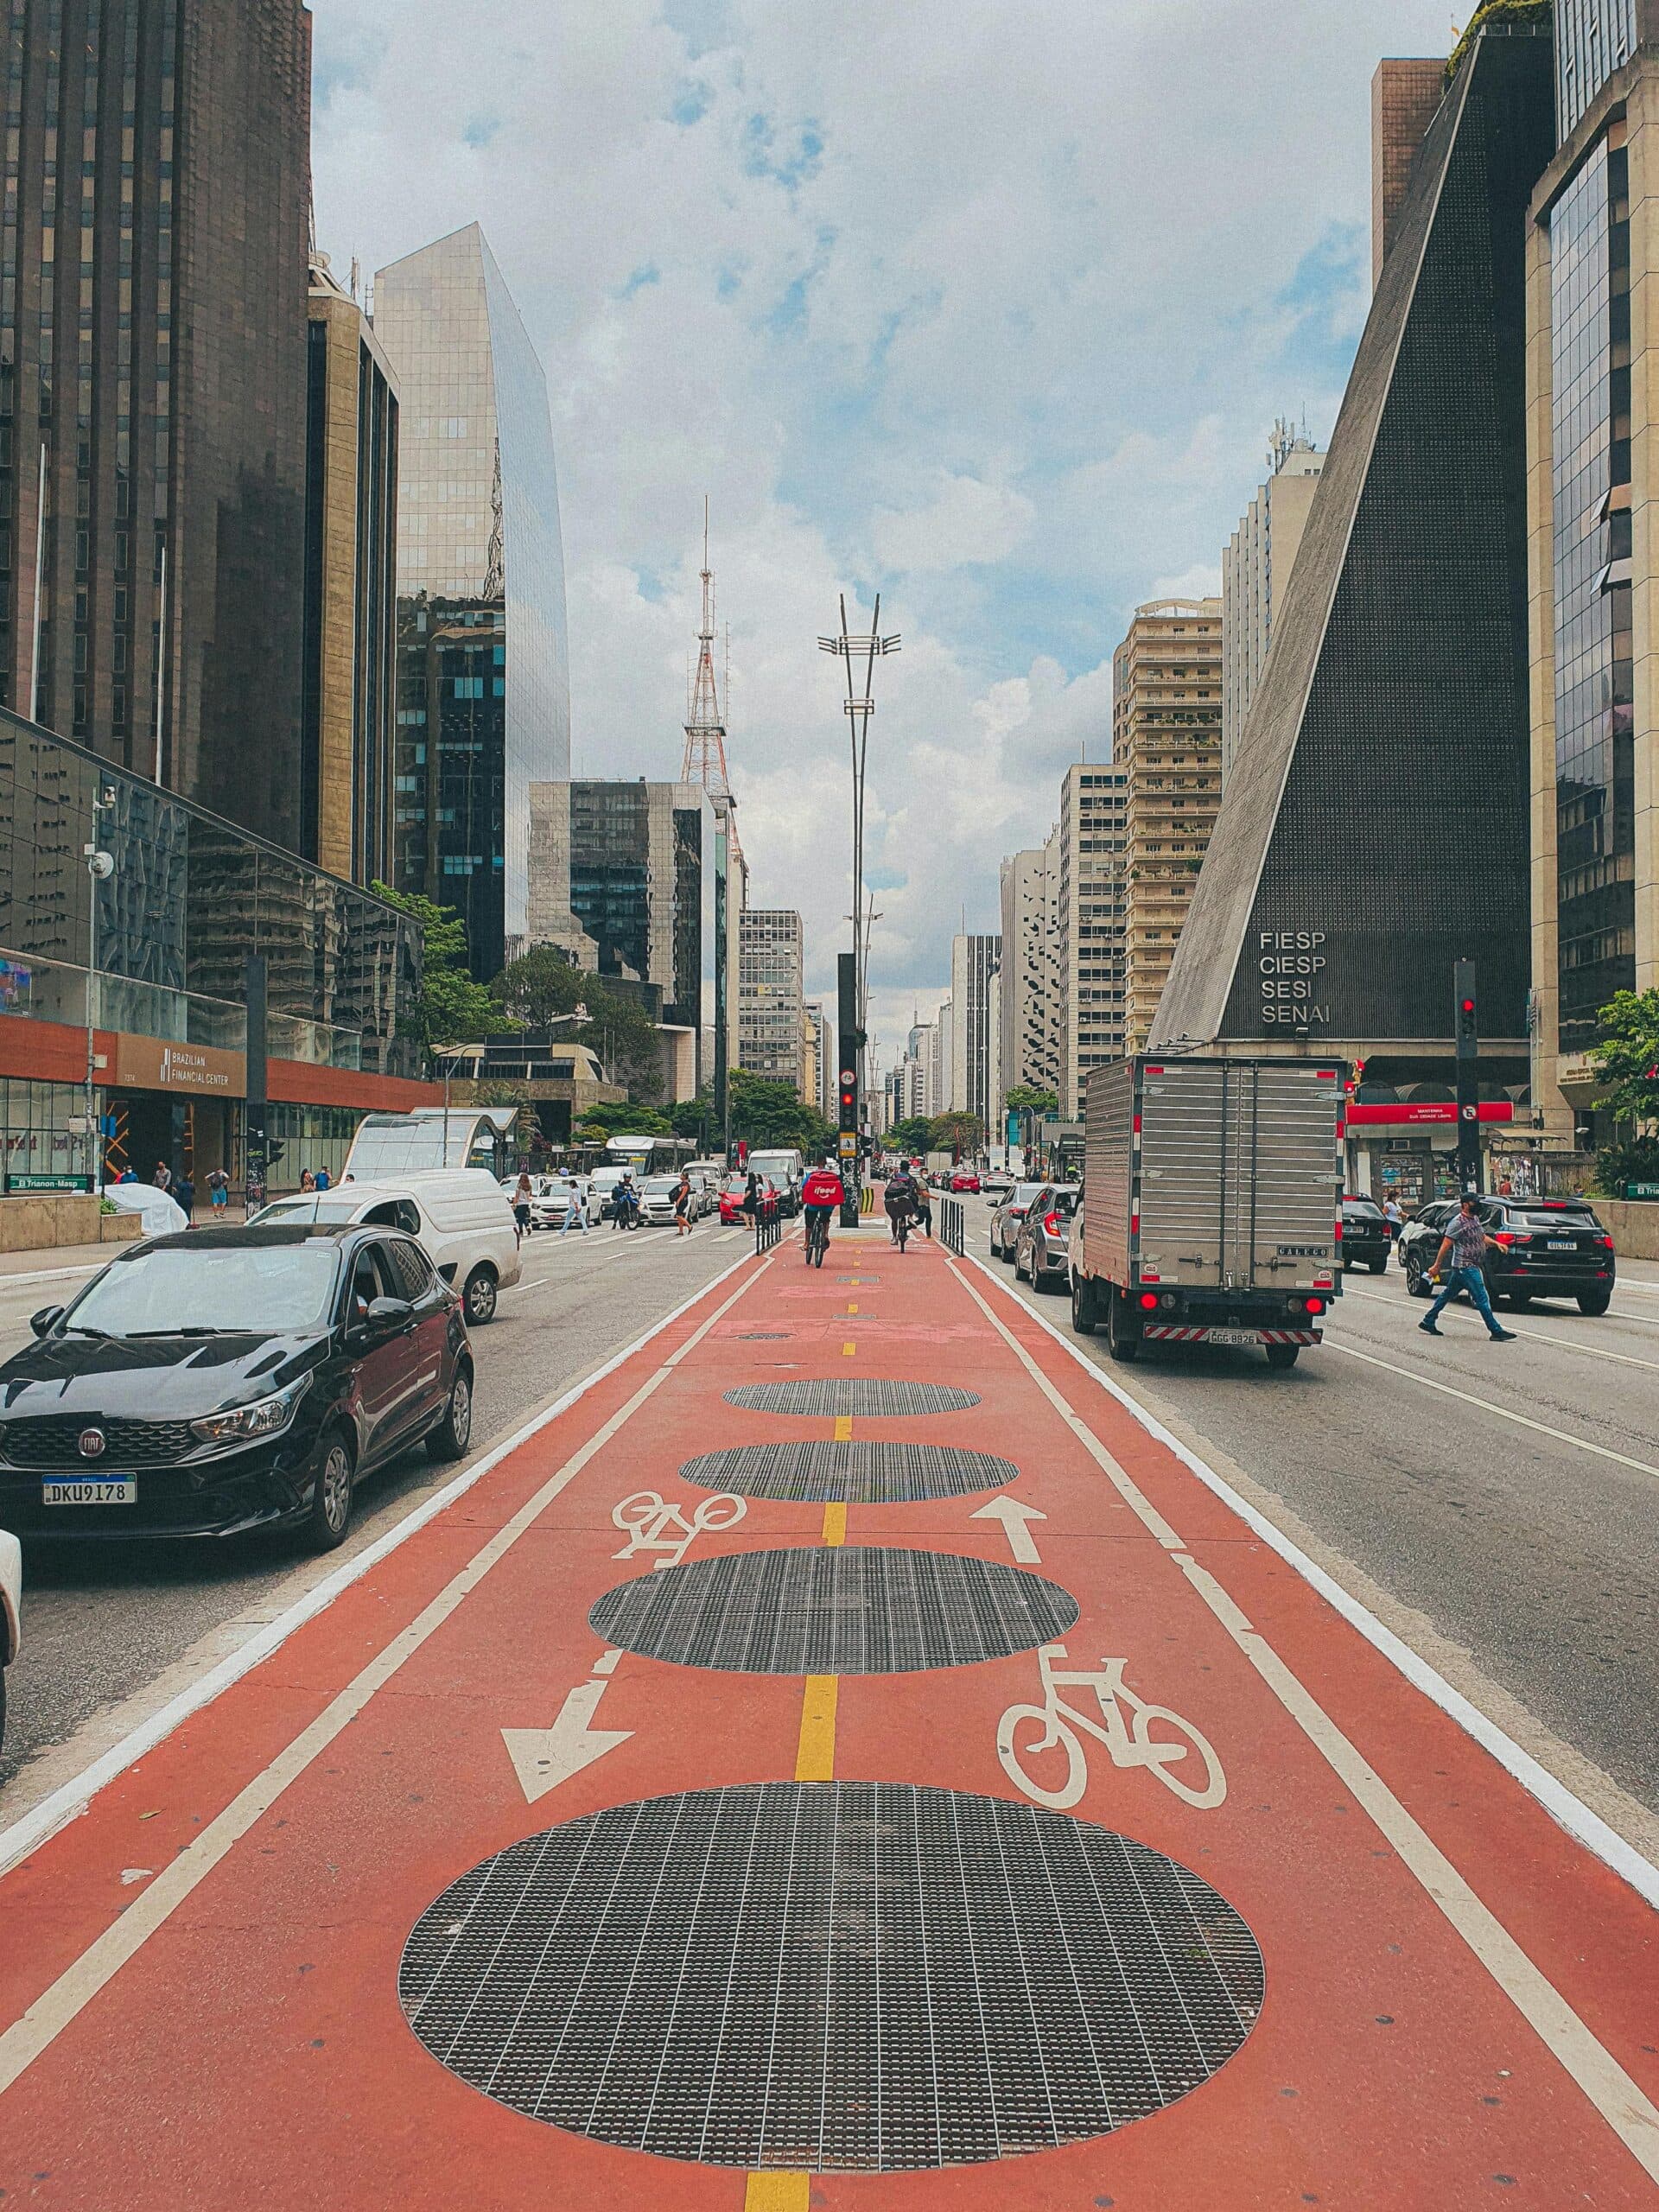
(227, 1379)
(1365, 1237)
(1536, 1247)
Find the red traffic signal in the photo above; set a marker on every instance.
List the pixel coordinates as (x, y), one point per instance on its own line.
(1468, 1005)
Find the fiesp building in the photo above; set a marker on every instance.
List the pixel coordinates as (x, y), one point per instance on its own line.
(1374, 828)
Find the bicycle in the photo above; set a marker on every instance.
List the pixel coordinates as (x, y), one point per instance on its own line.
(901, 1225)
(817, 1235)
(1130, 1743)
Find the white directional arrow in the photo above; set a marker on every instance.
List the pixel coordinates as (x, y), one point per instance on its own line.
(1013, 1517)
(543, 1757)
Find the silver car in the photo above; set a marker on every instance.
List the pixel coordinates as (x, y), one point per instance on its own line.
(1005, 1222)
(1042, 1249)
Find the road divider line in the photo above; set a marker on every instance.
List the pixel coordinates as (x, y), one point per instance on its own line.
(23, 2042)
(843, 1429)
(1564, 1806)
(1615, 2096)
(814, 1756)
(835, 1522)
(1503, 1413)
(1569, 1343)
(777, 2193)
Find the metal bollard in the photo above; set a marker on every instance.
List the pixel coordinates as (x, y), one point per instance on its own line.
(953, 1222)
(768, 1228)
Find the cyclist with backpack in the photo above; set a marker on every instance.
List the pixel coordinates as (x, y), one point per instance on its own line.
(823, 1195)
(899, 1199)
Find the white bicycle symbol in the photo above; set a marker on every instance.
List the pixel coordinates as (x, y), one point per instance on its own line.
(1130, 1744)
(647, 1516)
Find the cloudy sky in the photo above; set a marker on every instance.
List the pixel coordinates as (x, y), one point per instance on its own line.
(987, 305)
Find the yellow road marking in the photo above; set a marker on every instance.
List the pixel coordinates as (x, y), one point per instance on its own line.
(852, 1309)
(815, 1758)
(777, 2193)
(843, 1429)
(835, 1523)
(846, 1352)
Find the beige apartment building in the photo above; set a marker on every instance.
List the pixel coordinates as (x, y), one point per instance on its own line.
(1089, 871)
(1255, 567)
(1166, 742)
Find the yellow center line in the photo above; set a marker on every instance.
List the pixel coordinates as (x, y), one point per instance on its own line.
(835, 1523)
(815, 1756)
(846, 1352)
(777, 2193)
(843, 1429)
(852, 1309)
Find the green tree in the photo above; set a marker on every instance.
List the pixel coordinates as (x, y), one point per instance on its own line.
(957, 1133)
(1023, 1099)
(450, 1009)
(1625, 1056)
(534, 990)
(1515, 12)
(914, 1135)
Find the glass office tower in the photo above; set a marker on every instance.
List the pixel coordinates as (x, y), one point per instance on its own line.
(1592, 39)
(483, 694)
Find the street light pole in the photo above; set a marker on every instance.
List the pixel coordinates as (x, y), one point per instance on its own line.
(100, 866)
(859, 706)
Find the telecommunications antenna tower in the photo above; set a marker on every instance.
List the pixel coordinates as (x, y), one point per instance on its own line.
(705, 732)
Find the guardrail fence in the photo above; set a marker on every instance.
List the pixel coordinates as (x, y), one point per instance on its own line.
(953, 1221)
(768, 1227)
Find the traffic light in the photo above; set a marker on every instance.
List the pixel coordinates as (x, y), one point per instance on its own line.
(1468, 1019)
(848, 1111)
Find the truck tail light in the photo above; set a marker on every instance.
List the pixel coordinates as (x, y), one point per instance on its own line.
(1314, 1304)
(1148, 1301)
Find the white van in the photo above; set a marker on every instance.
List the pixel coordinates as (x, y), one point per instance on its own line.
(460, 1214)
(785, 1169)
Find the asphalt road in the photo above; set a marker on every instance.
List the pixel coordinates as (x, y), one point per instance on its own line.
(1497, 1504)
(109, 1631)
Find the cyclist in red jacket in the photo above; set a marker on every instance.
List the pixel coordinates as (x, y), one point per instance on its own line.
(822, 1194)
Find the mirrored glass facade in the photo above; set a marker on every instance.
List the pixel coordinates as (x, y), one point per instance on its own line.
(1590, 345)
(190, 897)
(484, 704)
(1592, 39)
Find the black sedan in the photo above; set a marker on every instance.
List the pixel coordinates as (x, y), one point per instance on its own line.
(1365, 1238)
(1536, 1247)
(229, 1379)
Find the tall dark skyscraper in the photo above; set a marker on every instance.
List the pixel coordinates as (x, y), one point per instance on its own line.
(153, 380)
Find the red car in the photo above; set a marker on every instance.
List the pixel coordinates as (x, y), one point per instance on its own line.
(964, 1179)
(731, 1199)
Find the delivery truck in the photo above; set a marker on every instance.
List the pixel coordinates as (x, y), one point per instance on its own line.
(1211, 1209)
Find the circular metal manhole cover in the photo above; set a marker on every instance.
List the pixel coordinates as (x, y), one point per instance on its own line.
(850, 1394)
(839, 1609)
(855, 1474)
(832, 1977)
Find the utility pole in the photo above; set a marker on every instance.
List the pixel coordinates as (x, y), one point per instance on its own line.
(1465, 1016)
(850, 1041)
(859, 706)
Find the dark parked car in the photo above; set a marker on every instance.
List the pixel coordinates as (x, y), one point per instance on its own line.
(1365, 1238)
(232, 1379)
(1040, 1249)
(1005, 1222)
(1536, 1248)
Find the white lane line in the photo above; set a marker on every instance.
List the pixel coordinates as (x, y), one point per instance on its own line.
(38, 2028)
(1615, 2096)
(1570, 1343)
(1502, 1413)
(72, 1798)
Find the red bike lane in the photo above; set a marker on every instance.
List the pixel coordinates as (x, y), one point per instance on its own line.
(659, 1829)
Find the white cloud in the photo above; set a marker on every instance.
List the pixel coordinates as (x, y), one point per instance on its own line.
(965, 522)
(998, 328)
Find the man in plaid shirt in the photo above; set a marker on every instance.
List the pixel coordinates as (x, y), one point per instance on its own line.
(1465, 1246)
